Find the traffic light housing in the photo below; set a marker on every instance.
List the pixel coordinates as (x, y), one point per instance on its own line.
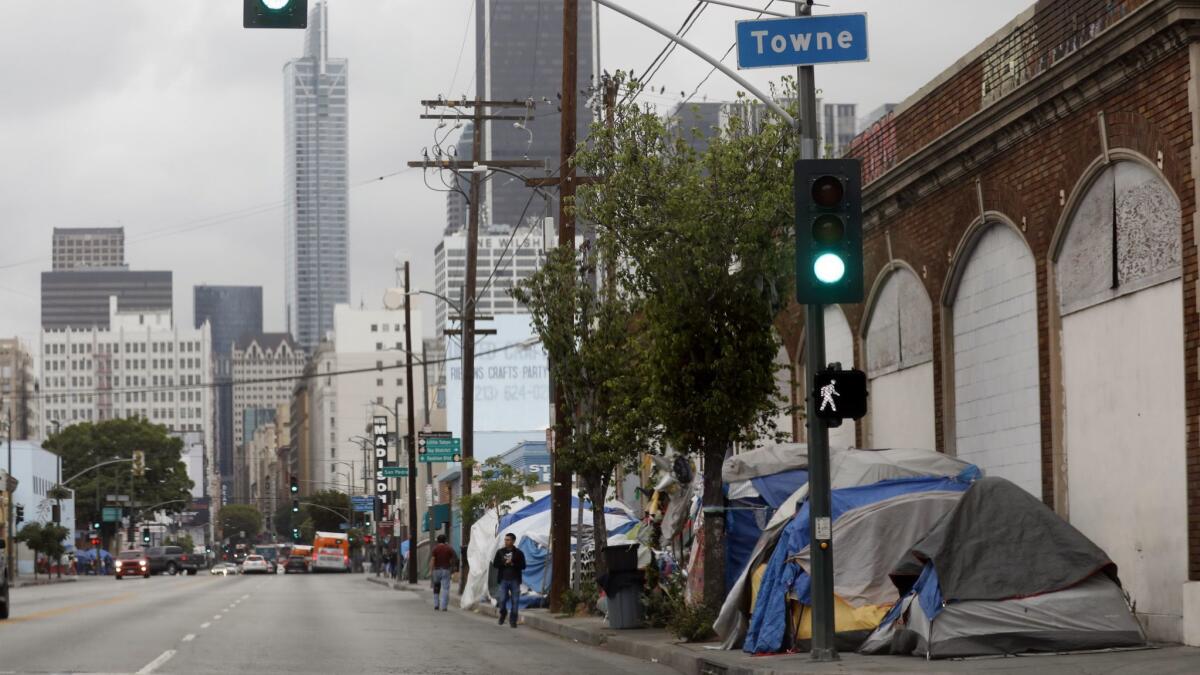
(20, 513)
(829, 242)
(295, 534)
(145, 535)
(840, 394)
(294, 486)
(274, 13)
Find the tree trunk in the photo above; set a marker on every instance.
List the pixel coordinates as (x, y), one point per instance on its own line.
(597, 487)
(714, 527)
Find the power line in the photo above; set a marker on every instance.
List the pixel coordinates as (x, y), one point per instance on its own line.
(723, 57)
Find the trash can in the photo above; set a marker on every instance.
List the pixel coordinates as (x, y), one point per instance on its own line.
(625, 608)
(621, 557)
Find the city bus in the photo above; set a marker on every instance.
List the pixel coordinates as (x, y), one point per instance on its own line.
(331, 552)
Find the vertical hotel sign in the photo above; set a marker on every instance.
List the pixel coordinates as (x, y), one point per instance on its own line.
(379, 429)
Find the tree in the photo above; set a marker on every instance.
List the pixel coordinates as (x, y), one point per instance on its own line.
(44, 538)
(500, 484)
(703, 240)
(240, 521)
(327, 510)
(595, 359)
(283, 519)
(165, 483)
(183, 541)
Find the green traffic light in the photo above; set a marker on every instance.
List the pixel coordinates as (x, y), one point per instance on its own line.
(829, 268)
(276, 5)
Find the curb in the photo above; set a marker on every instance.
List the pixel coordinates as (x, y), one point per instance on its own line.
(39, 582)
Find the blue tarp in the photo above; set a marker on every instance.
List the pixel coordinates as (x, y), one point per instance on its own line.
(769, 621)
(537, 574)
(777, 487)
(541, 505)
(743, 527)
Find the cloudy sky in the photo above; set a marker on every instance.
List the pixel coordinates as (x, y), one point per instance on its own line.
(166, 118)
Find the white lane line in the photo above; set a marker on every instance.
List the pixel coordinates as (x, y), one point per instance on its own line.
(245, 596)
(189, 637)
(216, 617)
(206, 624)
(157, 663)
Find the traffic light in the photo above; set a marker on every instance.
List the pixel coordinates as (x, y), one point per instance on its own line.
(367, 539)
(829, 263)
(274, 13)
(145, 535)
(840, 394)
(20, 513)
(295, 506)
(295, 485)
(295, 534)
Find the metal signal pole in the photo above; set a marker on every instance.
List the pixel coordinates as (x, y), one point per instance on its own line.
(412, 432)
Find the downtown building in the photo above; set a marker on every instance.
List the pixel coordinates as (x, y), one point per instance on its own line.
(19, 391)
(231, 312)
(264, 369)
(317, 273)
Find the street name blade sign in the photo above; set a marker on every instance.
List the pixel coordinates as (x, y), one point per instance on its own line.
(801, 40)
(432, 449)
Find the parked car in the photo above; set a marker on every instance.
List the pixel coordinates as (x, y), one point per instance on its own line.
(224, 569)
(172, 560)
(133, 563)
(255, 564)
(295, 563)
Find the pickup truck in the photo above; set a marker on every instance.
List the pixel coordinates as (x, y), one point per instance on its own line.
(172, 560)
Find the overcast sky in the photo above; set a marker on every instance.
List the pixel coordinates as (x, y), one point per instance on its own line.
(166, 118)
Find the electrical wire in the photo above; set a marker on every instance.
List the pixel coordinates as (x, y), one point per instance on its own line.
(723, 57)
(688, 22)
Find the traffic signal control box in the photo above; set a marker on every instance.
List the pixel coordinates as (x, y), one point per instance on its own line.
(829, 238)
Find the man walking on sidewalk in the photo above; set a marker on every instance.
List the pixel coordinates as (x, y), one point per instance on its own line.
(442, 560)
(509, 562)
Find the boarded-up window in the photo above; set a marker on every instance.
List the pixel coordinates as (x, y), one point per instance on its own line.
(900, 330)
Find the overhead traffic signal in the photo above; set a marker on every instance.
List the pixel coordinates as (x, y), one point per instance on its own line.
(295, 485)
(840, 394)
(145, 535)
(274, 13)
(829, 263)
(96, 525)
(295, 534)
(295, 506)
(20, 513)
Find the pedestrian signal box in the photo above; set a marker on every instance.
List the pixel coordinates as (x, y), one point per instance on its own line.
(840, 394)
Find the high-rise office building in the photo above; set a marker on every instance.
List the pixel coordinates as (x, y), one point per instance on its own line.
(518, 55)
(88, 247)
(231, 312)
(456, 200)
(78, 298)
(839, 126)
(262, 368)
(317, 202)
(18, 390)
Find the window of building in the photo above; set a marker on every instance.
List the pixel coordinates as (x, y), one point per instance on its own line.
(374, 328)
(379, 382)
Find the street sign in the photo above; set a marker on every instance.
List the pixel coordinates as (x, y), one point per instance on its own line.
(111, 514)
(395, 472)
(343, 526)
(116, 498)
(439, 449)
(801, 40)
(362, 503)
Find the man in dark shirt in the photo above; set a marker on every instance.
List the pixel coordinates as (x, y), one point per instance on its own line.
(443, 558)
(509, 562)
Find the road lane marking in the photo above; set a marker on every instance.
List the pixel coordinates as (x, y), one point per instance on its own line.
(245, 596)
(206, 624)
(189, 637)
(50, 613)
(216, 617)
(157, 663)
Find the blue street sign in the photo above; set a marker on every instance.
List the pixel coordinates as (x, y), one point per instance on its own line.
(363, 504)
(802, 40)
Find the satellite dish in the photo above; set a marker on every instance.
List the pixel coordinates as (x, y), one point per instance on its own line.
(393, 299)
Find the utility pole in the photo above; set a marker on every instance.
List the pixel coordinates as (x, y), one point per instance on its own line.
(478, 116)
(9, 526)
(412, 432)
(820, 501)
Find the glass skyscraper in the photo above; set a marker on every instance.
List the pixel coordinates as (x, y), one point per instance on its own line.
(315, 169)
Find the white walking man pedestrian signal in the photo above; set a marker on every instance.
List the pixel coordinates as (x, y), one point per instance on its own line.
(840, 394)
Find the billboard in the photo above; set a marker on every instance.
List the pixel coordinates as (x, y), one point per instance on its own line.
(512, 385)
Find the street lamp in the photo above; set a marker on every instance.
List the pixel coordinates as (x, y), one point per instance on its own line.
(349, 485)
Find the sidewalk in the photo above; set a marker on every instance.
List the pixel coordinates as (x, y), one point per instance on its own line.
(42, 580)
(658, 646)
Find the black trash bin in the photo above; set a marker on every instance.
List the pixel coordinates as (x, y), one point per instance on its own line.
(621, 557)
(624, 592)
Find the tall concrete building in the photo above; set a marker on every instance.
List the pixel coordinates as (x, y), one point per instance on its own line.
(839, 125)
(78, 298)
(456, 200)
(518, 55)
(315, 190)
(231, 312)
(88, 247)
(18, 389)
(264, 369)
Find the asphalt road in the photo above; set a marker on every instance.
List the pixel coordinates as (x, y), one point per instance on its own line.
(277, 624)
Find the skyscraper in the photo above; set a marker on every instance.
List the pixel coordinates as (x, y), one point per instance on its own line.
(231, 312)
(317, 203)
(75, 247)
(518, 55)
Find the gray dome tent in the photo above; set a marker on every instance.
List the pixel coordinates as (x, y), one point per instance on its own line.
(1002, 574)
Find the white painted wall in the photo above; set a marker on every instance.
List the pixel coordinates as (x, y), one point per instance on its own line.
(839, 347)
(1125, 439)
(997, 421)
(901, 409)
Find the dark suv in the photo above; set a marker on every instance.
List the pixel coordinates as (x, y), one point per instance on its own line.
(172, 560)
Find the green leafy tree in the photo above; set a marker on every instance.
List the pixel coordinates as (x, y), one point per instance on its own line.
(500, 483)
(282, 521)
(327, 510)
(44, 538)
(595, 359)
(236, 519)
(165, 485)
(703, 240)
(183, 541)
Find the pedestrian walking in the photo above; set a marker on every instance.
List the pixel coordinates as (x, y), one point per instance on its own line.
(442, 559)
(509, 563)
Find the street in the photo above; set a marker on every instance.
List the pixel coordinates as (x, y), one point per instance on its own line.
(264, 624)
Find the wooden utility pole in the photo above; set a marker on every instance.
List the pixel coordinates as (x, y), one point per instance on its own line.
(467, 311)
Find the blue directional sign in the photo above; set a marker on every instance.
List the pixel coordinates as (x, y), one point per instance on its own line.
(363, 503)
(802, 40)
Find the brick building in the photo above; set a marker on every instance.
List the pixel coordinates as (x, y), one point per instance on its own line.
(1031, 259)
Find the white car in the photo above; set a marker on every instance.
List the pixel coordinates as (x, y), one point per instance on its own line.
(255, 564)
(224, 569)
